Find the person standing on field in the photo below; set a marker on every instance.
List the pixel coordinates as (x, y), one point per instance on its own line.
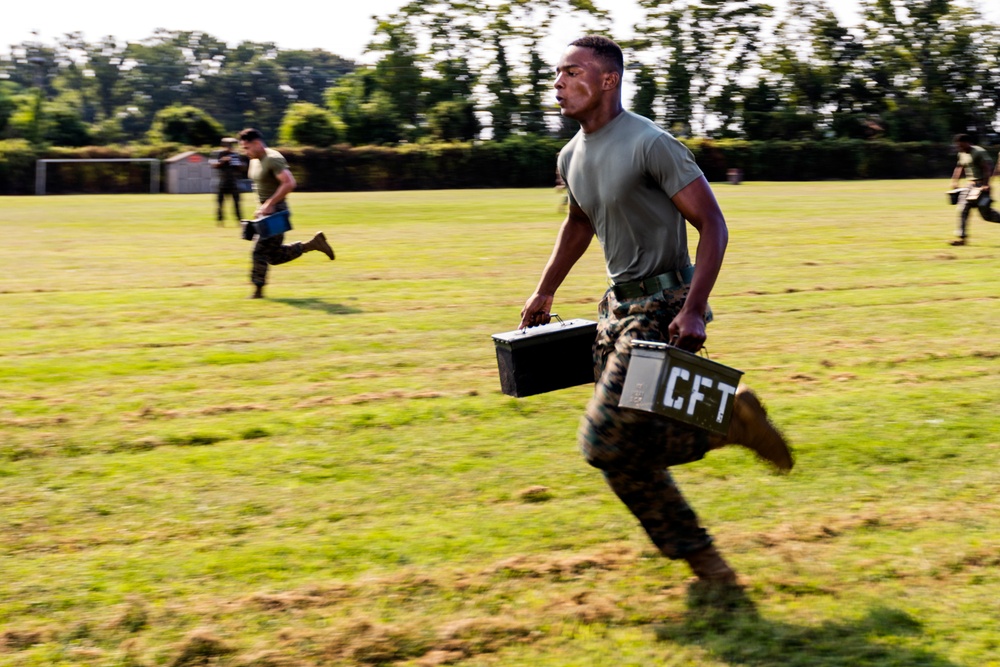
(633, 185)
(975, 163)
(273, 181)
(228, 167)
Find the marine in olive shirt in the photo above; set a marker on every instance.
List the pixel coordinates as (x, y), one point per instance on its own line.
(975, 164)
(273, 181)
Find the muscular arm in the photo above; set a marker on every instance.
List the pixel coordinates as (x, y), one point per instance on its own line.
(956, 176)
(573, 240)
(697, 204)
(286, 185)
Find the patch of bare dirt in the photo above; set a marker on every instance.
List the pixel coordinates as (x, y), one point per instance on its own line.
(298, 600)
(150, 413)
(266, 659)
(200, 647)
(371, 397)
(34, 422)
(562, 566)
(474, 636)
(19, 640)
(535, 494)
(371, 643)
(588, 607)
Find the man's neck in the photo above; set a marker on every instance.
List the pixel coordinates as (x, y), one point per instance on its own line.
(601, 118)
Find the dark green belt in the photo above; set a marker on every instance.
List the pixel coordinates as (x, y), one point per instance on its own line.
(648, 286)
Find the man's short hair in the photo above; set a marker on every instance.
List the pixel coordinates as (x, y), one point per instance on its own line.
(606, 50)
(250, 134)
(962, 139)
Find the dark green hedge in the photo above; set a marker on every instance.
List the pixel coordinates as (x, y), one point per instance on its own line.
(519, 162)
(514, 163)
(841, 159)
(18, 164)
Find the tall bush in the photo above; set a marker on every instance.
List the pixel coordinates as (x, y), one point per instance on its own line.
(185, 125)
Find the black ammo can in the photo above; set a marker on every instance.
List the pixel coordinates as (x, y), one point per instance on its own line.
(545, 358)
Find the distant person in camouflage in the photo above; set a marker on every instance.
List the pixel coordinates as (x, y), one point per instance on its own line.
(633, 186)
(975, 163)
(273, 181)
(228, 166)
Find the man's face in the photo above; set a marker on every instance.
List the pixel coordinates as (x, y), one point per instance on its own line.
(963, 147)
(580, 82)
(253, 149)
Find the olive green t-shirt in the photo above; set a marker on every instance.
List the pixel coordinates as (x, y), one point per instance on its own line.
(973, 162)
(623, 176)
(264, 173)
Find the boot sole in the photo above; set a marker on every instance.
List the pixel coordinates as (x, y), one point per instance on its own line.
(767, 443)
(326, 248)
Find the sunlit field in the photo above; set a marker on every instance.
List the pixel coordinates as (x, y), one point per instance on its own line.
(331, 476)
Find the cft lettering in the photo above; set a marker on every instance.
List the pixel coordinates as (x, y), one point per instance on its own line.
(682, 390)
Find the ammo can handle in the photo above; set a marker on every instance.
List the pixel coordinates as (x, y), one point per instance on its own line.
(524, 331)
(702, 351)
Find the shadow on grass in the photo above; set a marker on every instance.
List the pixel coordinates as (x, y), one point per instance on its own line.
(320, 304)
(745, 638)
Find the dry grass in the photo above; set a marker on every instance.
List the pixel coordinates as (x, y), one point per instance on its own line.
(331, 476)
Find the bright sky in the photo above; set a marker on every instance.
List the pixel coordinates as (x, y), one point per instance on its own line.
(341, 26)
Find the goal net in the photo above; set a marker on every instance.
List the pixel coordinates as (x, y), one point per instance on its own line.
(97, 175)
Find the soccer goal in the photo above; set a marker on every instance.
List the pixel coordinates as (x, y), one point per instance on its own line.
(41, 167)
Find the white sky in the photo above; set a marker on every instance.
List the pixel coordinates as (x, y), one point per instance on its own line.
(339, 26)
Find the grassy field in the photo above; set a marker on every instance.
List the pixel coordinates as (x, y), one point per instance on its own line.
(331, 476)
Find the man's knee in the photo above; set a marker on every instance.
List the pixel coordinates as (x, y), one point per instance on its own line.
(988, 213)
(602, 440)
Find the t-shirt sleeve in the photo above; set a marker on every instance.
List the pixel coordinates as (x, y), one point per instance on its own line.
(671, 164)
(561, 165)
(277, 164)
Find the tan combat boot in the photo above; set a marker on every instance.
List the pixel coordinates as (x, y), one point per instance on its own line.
(318, 242)
(717, 586)
(708, 565)
(751, 428)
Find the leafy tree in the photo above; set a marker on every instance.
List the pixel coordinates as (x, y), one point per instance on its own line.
(398, 74)
(154, 74)
(704, 43)
(460, 30)
(644, 100)
(453, 120)
(538, 90)
(27, 120)
(185, 125)
(64, 127)
(306, 124)
(248, 89)
(7, 107)
(104, 60)
(925, 64)
(308, 74)
(367, 112)
(505, 104)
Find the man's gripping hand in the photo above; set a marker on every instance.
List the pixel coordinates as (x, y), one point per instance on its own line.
(537, 310)
(687, 331)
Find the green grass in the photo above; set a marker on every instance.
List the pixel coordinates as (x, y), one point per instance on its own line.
(330, 476)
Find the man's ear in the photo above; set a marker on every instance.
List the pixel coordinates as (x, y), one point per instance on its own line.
(612, 80)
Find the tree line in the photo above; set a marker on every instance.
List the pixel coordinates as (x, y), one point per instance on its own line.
(453, 70)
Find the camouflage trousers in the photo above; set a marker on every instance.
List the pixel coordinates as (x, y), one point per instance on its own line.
(634, 449)
(983, 203)
(271, 251)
